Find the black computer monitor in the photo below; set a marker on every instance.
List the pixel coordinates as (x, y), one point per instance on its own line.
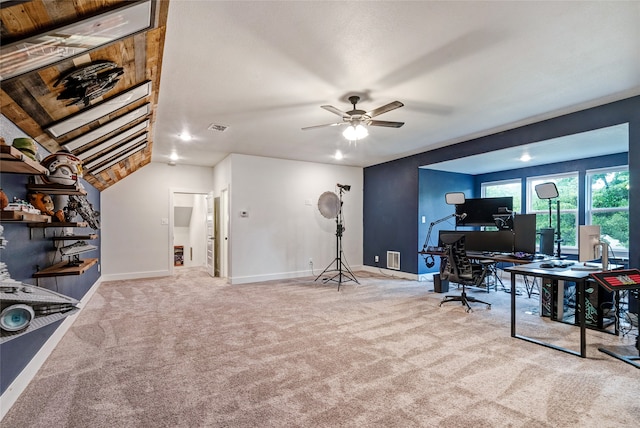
(480, 211)
(524, 231)
(496, 241)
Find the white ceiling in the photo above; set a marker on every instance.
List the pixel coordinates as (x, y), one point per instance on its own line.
(462, 69)
(599, 142)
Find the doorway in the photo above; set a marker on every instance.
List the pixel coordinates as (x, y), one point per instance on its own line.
(188, 238)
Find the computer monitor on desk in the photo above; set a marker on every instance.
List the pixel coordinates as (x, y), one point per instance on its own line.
(521, 239)
(497, 241)
(588, 243)
(524, 233)
(591, 247)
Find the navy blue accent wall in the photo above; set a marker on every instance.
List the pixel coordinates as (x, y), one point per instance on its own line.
(24, 254)
(398, 207)
(395, 204)
(432, 188)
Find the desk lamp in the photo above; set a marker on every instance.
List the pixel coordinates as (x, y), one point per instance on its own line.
(550, 191)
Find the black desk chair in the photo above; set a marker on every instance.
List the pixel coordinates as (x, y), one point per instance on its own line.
(460, 270)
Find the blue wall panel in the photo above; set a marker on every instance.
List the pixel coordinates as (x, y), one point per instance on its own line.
(392, 205)
(390, 215)
(25, 253)
(432, 188)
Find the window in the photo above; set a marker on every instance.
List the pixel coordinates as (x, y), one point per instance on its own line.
(607, 205)
(498, 189)
(567, 185)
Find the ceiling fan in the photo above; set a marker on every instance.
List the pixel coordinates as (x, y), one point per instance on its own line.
(358, 118)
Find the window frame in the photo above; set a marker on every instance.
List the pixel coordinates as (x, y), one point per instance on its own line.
(531, 197)
(517, 181)
(589, 210)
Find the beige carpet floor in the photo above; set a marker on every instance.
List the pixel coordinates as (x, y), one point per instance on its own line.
(192, 351)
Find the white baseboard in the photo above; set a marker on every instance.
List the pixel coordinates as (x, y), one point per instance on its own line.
(20, 383)
(135, 275)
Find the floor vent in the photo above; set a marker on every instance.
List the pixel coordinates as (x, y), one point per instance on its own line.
(393, 260)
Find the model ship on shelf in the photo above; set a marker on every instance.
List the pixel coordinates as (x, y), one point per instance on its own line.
(74, 250)
(24, 307)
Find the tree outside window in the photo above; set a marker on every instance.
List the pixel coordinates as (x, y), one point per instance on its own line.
(499, 189)
(608, 205)
(567, 185)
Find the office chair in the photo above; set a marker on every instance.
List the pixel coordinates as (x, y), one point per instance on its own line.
(460, 270)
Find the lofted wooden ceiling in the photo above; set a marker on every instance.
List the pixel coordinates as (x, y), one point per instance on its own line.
(30, 100)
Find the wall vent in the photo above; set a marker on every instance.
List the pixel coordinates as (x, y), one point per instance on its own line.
(393, 260)
(215, 127)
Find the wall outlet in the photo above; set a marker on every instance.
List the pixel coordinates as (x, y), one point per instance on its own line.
(376, 259)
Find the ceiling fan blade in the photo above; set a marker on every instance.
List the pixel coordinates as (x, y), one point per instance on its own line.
(385, 123)
(334, 110)
(385, 108)
(324, 126)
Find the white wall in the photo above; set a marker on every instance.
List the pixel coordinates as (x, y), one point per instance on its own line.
(284, 228)
(135, 243)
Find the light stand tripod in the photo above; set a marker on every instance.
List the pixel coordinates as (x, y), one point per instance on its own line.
(343, 274)
(558, 232)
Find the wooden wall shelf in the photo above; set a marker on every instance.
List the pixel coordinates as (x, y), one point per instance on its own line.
(24, 217)
(61, 269)
(57, 189)
(60, 224)
(75, 237)
(14, 161)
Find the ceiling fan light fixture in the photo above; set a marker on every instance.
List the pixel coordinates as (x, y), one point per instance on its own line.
(353, 133)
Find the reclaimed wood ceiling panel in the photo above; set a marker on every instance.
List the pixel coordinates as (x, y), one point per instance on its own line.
(30, 100)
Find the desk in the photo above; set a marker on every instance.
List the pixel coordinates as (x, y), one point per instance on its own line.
(564, 274)
(506, 258)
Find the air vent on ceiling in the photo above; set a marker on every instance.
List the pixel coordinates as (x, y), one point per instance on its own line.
(216, 127)
(393, 260)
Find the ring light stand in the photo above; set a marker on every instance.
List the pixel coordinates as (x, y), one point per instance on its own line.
(550, 191)
(330, 206)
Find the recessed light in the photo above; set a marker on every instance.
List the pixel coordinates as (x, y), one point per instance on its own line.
(173, 156)
(185, 136)
(525, 157)
(338, 155)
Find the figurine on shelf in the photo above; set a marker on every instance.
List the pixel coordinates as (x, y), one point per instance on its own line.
(45, 204)
(27, 146)
(4, 200)
(79, 205)
(64, 168)
(23, 206)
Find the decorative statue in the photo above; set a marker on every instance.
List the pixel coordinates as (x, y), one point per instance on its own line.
(45, 204)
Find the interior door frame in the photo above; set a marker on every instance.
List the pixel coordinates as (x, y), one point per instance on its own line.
(172, 192)
(224, 231)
